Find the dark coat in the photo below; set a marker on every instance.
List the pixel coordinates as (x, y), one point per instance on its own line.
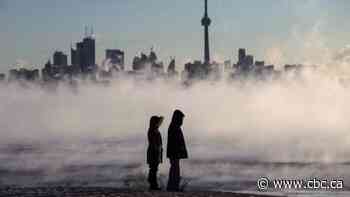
(155, 147)
(176, 148)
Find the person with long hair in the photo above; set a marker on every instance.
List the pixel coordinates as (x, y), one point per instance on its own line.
(154, 151)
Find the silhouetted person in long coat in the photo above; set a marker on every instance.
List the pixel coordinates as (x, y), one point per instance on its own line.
(176, 150)
(154, 151)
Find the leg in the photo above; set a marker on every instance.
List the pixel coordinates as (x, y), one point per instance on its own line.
(152, 176)
(177, 174)
(174, 175)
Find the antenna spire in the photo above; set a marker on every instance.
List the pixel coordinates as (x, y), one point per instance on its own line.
(86, 31)
(206, 8)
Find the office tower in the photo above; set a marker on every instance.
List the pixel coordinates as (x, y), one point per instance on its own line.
(241, 55)
(259, 63)
(60, 59)
(85, 53)
(116, 57)
(74, 57)
(249, 60)
(89, 51)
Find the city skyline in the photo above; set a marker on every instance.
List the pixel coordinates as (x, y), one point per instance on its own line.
(133, 37)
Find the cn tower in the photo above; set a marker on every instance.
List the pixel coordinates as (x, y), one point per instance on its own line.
(206, 23)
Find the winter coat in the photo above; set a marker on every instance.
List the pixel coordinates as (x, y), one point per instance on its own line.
(176, 147)
(155, 149)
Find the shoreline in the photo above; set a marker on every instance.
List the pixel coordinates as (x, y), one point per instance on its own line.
(114, 192)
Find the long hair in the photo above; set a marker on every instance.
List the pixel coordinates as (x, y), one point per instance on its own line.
(155, 122)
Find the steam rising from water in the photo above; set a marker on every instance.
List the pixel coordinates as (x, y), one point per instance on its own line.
(234, 130)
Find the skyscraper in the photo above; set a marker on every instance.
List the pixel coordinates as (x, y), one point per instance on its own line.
(89, 51)
(116, 57)
(84, 54)
(206, 23)
(60, 59)
(74, 57)
(241, 55)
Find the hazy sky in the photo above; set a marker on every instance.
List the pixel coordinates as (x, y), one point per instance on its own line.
(276, 30)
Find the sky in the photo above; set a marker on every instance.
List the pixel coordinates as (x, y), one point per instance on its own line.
(278, 31)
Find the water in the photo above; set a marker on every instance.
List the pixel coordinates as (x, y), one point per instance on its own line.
(121, 163)
(292, 128)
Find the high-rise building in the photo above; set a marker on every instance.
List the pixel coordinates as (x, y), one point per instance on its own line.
(241, 55)
(116, 57)
(81, 55)
(74, 57)
(84, 55)
(89, 51)
(249, 60)
(60, 59)
(171, 68)
(259, 63)
(24, 74)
